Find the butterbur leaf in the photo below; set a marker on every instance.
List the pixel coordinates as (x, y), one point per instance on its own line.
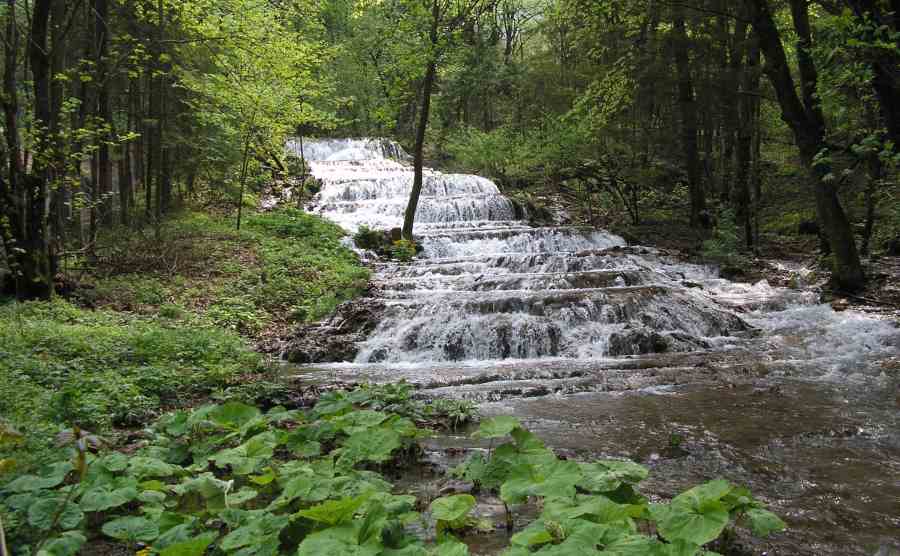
(497, 427)
(67, 544)
(50, 476)
(143, 467)
(451, 547)
(258, 530)
(193, 547)
(42, 513)
(114, 462)
(131, 529)
(233, 415)
(103, 498)
(372, 445)
(697, 516)
(338, 541)
(764, 522)
(608, 475)
(452, 508)
(335, 512)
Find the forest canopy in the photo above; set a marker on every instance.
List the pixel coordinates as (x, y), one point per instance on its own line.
(117, 111)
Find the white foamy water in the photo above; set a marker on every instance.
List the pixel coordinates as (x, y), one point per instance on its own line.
(488, 287)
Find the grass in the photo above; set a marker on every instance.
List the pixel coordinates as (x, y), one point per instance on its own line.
(164, 319)
(282, 268)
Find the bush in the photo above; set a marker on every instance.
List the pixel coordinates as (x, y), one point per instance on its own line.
(373, 240)
(725, 246)
(403, 250)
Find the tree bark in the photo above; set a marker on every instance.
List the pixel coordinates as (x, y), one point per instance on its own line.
(419, 150)
(807, 123)
(688, 107)
(38, 264)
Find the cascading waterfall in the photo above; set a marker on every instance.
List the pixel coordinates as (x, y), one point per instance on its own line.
(489, 286)
(553, 324)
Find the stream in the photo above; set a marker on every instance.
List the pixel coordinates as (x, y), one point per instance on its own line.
(605, 349)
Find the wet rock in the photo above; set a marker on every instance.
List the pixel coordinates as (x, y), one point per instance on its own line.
(336, 339)
(840, 305)
(638, 342)
(454, 486)
(396, 234)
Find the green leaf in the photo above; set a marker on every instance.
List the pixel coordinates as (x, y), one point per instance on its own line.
(114, 462)
(340, 541)
(103, 498)
(763, 522)
(371, 445)
(551, 480)
(335, 512)
(608, 475)
(697, 516)
(51, 476)
(451, 547)
(259, 530)
(131, 529)
(141, 467)
(67, 544)
(193, 547)
(497, 427)
(452, 508)
(233, 415)
(42, 513)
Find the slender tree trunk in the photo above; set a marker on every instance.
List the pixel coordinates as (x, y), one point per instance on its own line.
(104, 162)
(807, 122)
(11, 202)
(419, 150)
(688, 107)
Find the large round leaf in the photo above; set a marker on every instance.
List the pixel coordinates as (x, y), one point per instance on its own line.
(452, 508)
(497, 427)
(42, 514)
(102, 498)
(131, 529)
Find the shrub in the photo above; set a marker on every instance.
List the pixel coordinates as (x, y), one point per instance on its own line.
(373, 240)
(403, 250)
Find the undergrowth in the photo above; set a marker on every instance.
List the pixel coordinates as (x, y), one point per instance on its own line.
(231, 479)
(101, 370)
(282, 267)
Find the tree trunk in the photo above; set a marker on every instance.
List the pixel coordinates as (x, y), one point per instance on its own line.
(688, 108)
(104, 163)
(38, 264)
(808, 126)
(419, 150)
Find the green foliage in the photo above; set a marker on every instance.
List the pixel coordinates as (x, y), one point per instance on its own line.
(403, 250)
(725, 245)
(99, 369)
(231, 477)
(166, 496)
(595, 508)
(373, 240)
(283, 266)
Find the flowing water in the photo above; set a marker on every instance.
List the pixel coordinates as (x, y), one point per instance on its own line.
(615, 350)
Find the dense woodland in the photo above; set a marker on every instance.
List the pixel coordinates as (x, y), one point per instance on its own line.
(117, 112)
(139, 283)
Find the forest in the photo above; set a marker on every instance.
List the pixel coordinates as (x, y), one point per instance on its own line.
(236, 317)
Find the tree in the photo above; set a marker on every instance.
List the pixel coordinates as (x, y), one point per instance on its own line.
(445, 17)
(807, 121)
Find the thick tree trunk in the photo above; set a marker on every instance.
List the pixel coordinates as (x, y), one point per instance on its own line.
(37, 264)
(687, 104)
(808, 125)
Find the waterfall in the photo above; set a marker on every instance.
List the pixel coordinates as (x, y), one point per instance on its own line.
(488, 286)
